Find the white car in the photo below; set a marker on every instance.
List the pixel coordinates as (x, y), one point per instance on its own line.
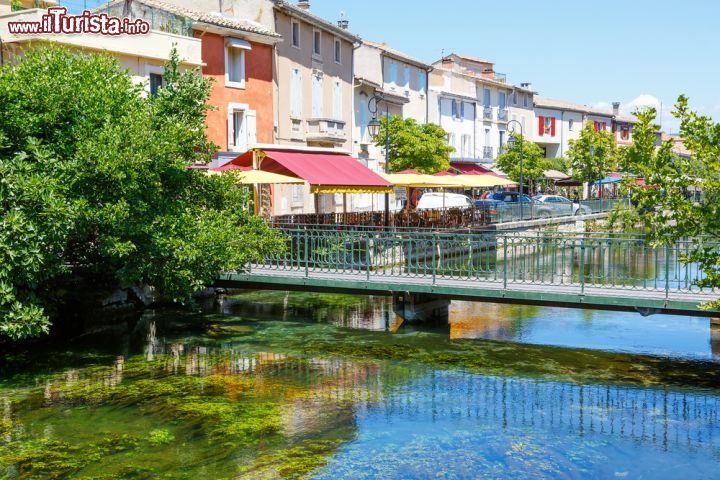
(436, 200)
(556, 205)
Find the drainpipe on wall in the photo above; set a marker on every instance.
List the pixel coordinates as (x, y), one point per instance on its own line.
(562, 133)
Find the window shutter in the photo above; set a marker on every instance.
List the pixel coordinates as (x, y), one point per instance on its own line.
(552, 126)
(296, 92)
(462, 109)
(251, 127)
(337, 101)
(541, 125)
(595, 126)
(604, 126)
(453, 108)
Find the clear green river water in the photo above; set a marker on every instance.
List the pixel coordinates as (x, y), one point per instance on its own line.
(275, 385)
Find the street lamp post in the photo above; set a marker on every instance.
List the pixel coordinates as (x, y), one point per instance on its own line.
(374, 130)
(512, 142)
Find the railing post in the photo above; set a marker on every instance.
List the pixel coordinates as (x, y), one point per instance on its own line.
(582, 265)
(667, 271)
(367, 256)
(505, 262)
(305, 254)
(434, 257)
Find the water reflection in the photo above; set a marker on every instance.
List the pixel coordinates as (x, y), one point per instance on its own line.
(278, 386)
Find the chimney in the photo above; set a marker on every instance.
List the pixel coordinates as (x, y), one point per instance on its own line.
(526, 85)
(616, 108)
(304, 4)
(343, 22)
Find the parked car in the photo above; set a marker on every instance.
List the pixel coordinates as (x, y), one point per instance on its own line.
(433, 200)
(502, 202)
(557, 206)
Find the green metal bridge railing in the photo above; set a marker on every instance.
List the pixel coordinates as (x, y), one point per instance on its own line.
(585, 260)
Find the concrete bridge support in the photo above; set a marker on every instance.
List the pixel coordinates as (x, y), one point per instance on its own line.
(421, 307)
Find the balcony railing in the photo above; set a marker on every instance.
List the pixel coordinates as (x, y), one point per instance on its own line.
(502, 114)
(488, 153)
(326, 129)
(487, 113)
(500, 77)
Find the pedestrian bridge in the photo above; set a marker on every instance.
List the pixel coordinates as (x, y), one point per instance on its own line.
(587, 270)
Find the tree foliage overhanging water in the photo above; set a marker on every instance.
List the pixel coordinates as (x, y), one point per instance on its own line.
(93, 174)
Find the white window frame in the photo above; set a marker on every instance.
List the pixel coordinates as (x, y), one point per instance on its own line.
(317, 53)
(241, 45)
(247, 123)
(337, 51)
(294, 24)
(296, 94)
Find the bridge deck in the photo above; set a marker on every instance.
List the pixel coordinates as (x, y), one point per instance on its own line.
(567, 294)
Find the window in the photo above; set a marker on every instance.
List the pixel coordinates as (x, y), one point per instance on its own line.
(296, 34)
(337, 100)
(317, 38)
(296, 93)
(571, 124)
(466, 146)
(296, 194)
(406, 78)
(525, 100)
(156, 83)
(457, 108)
(393, 74)
(624, 132)
(235, 62)
(487, 137)
(238, 124)
(502, 100)
(241, 127)
(502, 138)
(338, 51)
(549, 126)
(422, 78)
(486, 97)
(514, 98)
(317, 95)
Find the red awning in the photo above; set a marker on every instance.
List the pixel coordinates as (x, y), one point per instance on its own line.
(233, 166)
(326, 172)
(472, 169)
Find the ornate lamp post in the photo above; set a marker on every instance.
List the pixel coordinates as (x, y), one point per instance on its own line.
(512, 142)
(374, 130)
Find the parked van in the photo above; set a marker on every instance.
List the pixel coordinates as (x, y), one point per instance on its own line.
(435, 200)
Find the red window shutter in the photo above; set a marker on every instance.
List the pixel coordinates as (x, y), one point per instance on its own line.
(604, 126)
(595, 126)
(541, 125)
(552, 126)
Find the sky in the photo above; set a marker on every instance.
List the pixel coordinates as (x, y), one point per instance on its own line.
(636, 52)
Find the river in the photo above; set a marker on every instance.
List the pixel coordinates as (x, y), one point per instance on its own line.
(296, 385)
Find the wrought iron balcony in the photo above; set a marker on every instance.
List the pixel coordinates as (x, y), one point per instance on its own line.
(488, 153)
(502, 114)
(487, 113)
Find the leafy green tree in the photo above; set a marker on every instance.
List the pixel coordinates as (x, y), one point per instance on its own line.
(592, 155)
(413, 146)
(534, 162)
(668, 213)
(93, 175)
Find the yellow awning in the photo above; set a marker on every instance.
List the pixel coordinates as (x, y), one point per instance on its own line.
(478, 181)
(348, 189)
(414, 180)
(445, 181)
(258, 177)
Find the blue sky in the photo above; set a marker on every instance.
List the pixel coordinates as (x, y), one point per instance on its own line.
(587, 52)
